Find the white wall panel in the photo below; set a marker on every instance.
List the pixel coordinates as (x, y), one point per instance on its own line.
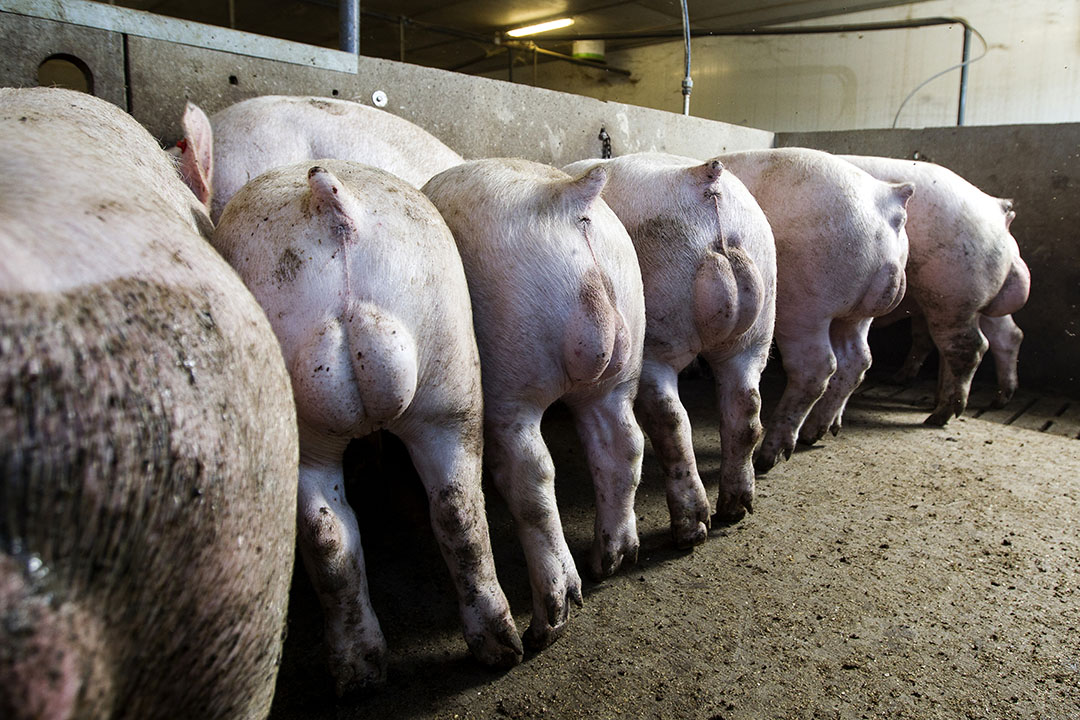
(1031, 73)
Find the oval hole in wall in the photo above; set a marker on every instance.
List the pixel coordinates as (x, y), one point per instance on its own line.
(66, 71)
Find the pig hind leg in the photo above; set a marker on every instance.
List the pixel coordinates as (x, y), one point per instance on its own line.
(448, 462)
(524, 473)
(848, 337)
(665, 421)
(739, 403)
(921, 347)
(329, 541)
(1004, 337)
(809, 363)
(614, 446)
(961, 346)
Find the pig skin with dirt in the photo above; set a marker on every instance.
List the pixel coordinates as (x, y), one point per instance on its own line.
(269, 131)
(149, 455)
(365, 290)
(708, 263)
(559, 314)
(840, 255)
(965, 279)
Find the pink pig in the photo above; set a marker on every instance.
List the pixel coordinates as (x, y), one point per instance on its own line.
(966, 278)
(708, 262)
(559, 314)
(148, 444)
(366, 293)
(840, 254)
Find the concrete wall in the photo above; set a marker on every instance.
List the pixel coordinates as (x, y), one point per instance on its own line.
(1039, 167)
(785, 83)
(478, 117)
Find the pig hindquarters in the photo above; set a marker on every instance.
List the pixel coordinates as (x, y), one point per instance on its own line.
(708, 263)
(559, 313)
(149, 455)
(840, 255)
(265, 132)
(966, 278)
(364, 288)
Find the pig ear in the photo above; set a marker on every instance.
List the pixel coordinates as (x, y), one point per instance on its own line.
(1007, 208)
(197, 153)
(584, 189)
(708, 175)
(330, 197)
(904, 191)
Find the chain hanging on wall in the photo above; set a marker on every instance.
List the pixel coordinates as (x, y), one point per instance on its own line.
(605, 144)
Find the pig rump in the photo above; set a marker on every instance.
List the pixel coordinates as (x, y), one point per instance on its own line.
(136, 577)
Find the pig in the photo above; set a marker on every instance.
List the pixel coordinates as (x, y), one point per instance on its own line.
(219, 155)
(841, 248)
(366, 293)
(966, 276)
(559, 314)
(708, 263)
(149, 456)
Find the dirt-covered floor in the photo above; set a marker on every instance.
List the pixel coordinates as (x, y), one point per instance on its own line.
(894, 571)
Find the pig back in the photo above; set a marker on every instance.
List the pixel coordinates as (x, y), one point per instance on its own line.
(147, 510)
(261, 133)
(841, 246)
(962, 256)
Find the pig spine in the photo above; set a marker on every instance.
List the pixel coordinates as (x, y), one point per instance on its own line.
(270, 131)
(729, 292)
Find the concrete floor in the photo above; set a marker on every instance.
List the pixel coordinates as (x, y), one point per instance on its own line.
(894, 571)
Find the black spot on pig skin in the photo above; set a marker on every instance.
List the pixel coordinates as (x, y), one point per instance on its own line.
(288, 266)
(142, 498)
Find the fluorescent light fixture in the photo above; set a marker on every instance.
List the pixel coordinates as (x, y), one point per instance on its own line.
(540, 27)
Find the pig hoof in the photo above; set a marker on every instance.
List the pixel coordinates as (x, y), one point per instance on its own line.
(540, 634)
(497, 646)
(1001, 399)
(537, 638)
(763, 463)
(938, 418)
(687, 535)
(605, 563)
(731, 510)
(807, 437)
(356, 673)
(834, 429)
(549, 623)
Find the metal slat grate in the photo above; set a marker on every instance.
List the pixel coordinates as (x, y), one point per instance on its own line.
(1034, 411)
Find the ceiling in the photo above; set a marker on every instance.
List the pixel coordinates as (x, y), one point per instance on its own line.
(460, 34)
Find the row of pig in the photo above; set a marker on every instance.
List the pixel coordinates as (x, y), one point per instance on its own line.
(147, 510)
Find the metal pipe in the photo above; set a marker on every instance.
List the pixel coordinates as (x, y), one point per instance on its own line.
(564, 57)
(687, 83)
(962, 105)
(454, 32)
(482, 58)
(349, 26)
(802, 30)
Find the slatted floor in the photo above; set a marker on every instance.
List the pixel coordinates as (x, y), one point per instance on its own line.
(1032, 410)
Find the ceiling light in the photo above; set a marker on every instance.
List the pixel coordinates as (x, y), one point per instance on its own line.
(541, 27)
